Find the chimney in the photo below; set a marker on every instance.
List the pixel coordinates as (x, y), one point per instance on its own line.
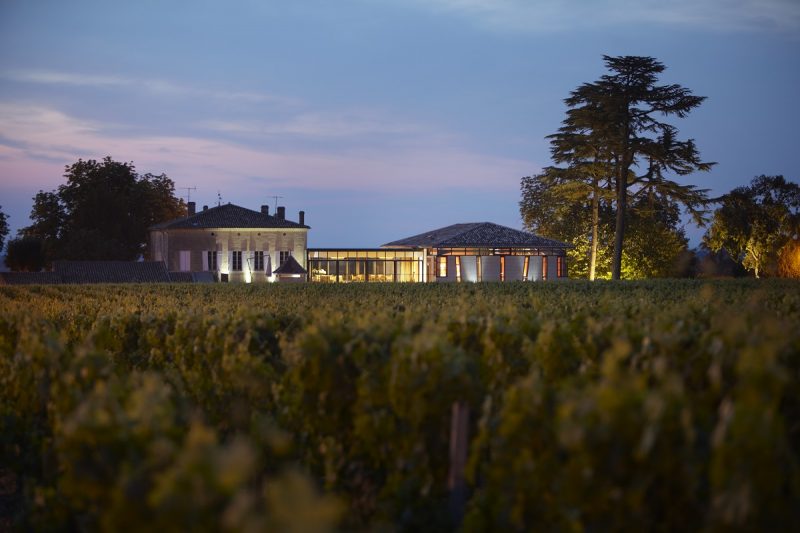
(302, 218)
(281, 212)
(265, 209)
(205, 208)
(190, 207)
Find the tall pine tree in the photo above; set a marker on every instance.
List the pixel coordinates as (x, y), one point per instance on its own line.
(614, 124)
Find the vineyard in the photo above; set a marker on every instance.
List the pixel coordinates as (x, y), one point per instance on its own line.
(641, 406)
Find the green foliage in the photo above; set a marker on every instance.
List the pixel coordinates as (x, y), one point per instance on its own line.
(655, 240)
(102, 212)
(754, 222)
(671, 405)
(25, 254)
(613, 129)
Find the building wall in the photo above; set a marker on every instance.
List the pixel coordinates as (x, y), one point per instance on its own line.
(168, 245)
(497, 268)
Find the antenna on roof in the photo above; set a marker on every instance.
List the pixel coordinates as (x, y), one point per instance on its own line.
(219, 199)
(188, 192)
(276, 202)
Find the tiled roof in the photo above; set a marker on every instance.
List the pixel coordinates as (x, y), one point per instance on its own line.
(111, 271)
(191, 277)
(477, 234)
(290, 266)
(29, 278)
(181, 277)
(228, 216)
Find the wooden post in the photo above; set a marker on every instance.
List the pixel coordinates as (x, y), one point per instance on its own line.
(459, 444)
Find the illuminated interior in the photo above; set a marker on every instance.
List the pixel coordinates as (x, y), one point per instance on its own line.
(376, 265)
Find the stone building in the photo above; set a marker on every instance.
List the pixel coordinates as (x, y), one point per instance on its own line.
(234, 243)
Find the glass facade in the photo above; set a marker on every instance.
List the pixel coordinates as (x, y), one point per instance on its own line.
(443, 264)
(377, 265)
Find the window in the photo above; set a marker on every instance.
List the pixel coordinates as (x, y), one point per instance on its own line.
(442, 270)
(185, 260)
(236, 260)
(561, 267)
(211, 260)
(458, 268)
(284, 255)
(258, 261)
(544, 267)
(525, 267)
(478, 268)
(502, 268)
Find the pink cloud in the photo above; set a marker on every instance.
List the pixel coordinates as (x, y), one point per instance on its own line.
(45, 140)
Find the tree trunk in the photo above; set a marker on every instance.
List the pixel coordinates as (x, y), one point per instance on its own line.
(619, 230)
(595, 223)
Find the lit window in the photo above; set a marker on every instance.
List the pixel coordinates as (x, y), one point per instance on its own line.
(502, 268)
(560, 266)
(525, 267)
(284, 255)
(544, 267)
(442, 271)
(211, 260)
(236, 260)
(458, 268)
(258, 261)
(478, 268)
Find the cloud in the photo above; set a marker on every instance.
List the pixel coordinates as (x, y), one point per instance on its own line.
(152, 85)
(557, 15)
(38, 137)
(318, 125)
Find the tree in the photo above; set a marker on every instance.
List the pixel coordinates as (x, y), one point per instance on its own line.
(556, 205)
(656, 243)
(753, 223)
(612, 125)
(3, 228)
(25, 254)
(102, 212)
(789, 260)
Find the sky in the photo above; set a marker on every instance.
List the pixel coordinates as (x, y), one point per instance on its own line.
(379, 118)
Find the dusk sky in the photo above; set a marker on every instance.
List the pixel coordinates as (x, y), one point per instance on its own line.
(382, 118)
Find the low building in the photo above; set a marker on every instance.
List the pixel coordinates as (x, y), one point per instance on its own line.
(291, 272)
(87, 272)
(478, 251)
(234, 243)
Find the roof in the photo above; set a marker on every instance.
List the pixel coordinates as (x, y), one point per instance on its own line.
(290, 266)
(191, 277)
(477, 234)
(111, 271)
(29, 278)
(228, 216)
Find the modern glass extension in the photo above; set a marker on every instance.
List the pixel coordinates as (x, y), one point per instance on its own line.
(366, 265)
(432, 265)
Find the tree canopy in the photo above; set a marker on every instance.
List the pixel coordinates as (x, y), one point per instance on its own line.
(614, 142)
(755, 222)
(102, 212)
(654, 246)
(25, 254)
